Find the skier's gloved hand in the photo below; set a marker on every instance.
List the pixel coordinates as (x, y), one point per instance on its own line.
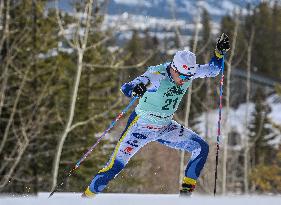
(222, 46)
(139, 90)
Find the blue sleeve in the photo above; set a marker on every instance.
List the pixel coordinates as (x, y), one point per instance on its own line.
(127, 89)
(151, 78)
(212, 69)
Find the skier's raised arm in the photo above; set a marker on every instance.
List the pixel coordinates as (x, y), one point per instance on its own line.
(213, 68)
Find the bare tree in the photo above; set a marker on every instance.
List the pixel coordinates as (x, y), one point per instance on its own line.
(117, 64)
(4, 23)
(246, 140)
(11, 51)
(189, 95)
(15, 158)
(227, 99)
(13, 112)
(177, 29)
(191, 91)
(18, 130)
(79, 43)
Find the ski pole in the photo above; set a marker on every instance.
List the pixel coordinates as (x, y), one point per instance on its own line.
(219, 126)
(94, 145)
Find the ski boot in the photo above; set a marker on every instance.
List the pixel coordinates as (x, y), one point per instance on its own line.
(88, 194)
(187, 187)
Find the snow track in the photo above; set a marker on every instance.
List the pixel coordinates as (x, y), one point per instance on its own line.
(139, 199)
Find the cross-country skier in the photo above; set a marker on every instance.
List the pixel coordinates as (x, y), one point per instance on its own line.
(160, 90)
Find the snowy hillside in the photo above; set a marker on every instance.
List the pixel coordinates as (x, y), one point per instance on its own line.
(162, 8)
(237, 118)
(141, 199)
(156, 16)
(184, 8)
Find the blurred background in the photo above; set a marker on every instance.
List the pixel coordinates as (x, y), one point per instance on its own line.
(61, 67)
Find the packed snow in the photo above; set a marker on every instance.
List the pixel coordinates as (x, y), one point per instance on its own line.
(139, 199)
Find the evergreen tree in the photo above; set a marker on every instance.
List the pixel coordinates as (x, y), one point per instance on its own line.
(264, 20)
(260, 131)
(43, 104)
(29, 74)
(275, 39)
(262, 52)
(206, 42)
(263, 155)
(98, 94)
(278, 89)
(206, 46)
(266, 177)
(134, 48)
(177, 40)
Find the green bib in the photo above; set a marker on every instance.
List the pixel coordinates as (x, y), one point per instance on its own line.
(159, 107)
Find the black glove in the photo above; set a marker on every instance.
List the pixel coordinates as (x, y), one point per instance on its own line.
(223, 44)
(139, 90)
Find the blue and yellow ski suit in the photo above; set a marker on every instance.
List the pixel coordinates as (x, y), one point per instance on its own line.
(152, 121)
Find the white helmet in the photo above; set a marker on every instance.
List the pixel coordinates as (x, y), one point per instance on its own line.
(185, 63)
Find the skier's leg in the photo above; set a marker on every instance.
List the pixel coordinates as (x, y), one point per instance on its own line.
(179, 137)
(131, 140)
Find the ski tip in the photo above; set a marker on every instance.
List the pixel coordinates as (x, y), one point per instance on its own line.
(51, 194)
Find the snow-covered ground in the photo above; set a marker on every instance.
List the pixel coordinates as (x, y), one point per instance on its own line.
(237, 122)
(140, 199)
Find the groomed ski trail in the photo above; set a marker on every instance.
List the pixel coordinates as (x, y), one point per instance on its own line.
(138, 199)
